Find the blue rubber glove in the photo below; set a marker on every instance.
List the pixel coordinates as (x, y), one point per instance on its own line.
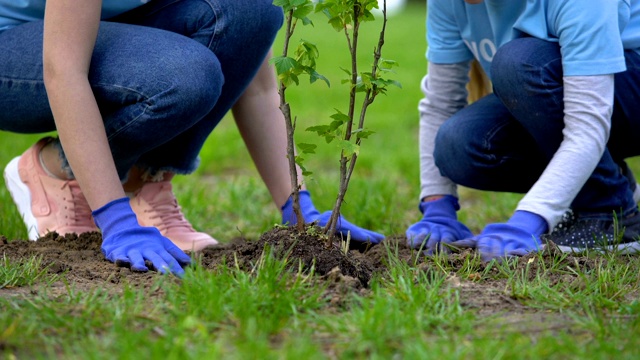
(311, 214)
(519, 236)
(439, 225)
(126, 243)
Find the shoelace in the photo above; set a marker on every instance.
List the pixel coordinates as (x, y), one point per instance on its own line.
(167, 211)
(80, 210)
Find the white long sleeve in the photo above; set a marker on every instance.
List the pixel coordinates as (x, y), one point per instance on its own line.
(445, 93)
(588, 105)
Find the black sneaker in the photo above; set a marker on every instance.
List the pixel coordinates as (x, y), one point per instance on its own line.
(575, 234)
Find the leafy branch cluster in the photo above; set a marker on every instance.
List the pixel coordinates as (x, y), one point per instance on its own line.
(346, 128)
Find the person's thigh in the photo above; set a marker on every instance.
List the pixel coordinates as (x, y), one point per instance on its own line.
(527, 77)
(150, 85)
(130, 65)
(238, 32)
(483, 147)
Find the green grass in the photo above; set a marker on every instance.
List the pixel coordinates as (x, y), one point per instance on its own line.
(269, 313)
(14, 273)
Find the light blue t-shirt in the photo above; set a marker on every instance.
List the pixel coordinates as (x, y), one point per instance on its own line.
(16, 12)
(592, 34)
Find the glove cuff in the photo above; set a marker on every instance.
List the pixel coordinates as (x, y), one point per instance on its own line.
(531, 222)
(445, 206)
(115, 213)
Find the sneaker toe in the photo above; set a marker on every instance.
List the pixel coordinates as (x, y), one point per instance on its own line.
(195, 241)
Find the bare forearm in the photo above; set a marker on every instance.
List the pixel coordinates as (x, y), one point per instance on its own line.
(70, 30)
(83, 138)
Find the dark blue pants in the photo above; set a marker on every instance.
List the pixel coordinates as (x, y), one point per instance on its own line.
(505, 140)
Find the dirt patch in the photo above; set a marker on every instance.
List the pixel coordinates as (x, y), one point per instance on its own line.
(77, 257)
(343, 271)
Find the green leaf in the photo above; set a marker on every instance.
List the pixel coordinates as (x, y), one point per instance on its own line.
(365, 80)
(381, 83)
(283, 64)
(336, 23)
(307, 53)
(307, 148)
(341, 117)
(349, 147)
(335, 125)
(303, 10)
(367, 16)
(346, 70)
(321, 6)
(328, 138)
(287, 5)
(319, 129)
(363, 133)
(323, 130)
(288, 79)
(300, 161)
(314, 75)
(387, 64)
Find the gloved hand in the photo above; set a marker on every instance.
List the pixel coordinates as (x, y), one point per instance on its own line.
(125, 242)
(517, 237)
(439, 223)
(311, 214)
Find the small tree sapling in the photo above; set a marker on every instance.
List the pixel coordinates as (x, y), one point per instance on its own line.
(347, 128)
(346, 16)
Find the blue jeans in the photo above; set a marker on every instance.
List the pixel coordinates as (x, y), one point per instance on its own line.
(505, 140)
(163, 74)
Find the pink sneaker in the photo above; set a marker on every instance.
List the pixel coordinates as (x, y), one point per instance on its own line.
(46, 203)
(155, 205)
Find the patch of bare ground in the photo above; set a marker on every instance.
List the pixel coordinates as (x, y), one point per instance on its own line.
(343, 272)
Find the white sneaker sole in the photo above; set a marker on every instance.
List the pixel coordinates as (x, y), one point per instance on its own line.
(623, 249)
(21, 196)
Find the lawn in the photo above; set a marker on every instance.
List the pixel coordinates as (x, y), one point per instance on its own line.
(543, 306)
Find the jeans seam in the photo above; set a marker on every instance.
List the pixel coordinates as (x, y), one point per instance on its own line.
(129, 123)
(143, 102)
(21, 80)
(216, 28)
(487, 141)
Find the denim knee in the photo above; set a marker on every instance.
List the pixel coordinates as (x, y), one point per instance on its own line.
(170, 84)
(194, 84)
(510, 57)
(525, 63)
